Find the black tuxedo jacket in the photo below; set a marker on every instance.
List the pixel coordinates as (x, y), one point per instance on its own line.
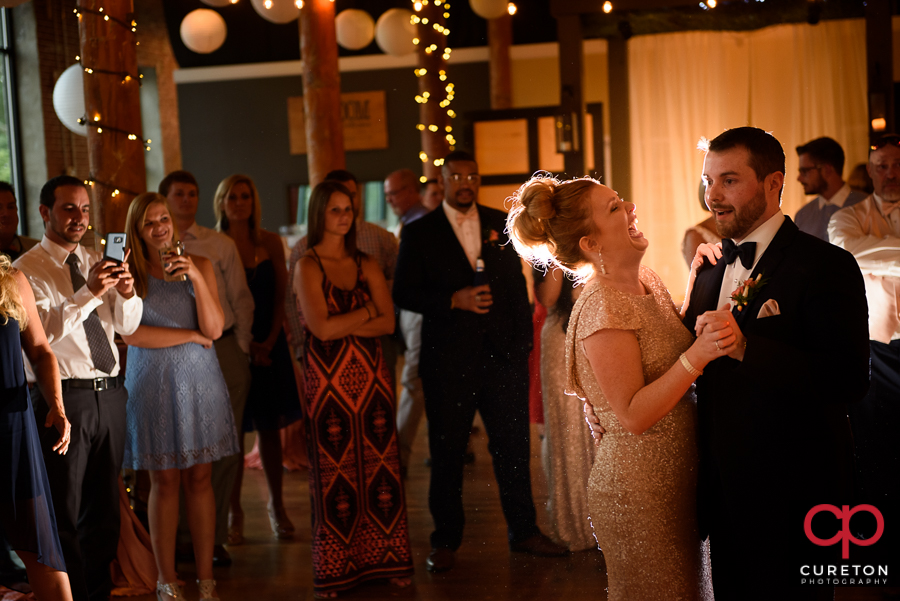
(432, 265)
(775, 424)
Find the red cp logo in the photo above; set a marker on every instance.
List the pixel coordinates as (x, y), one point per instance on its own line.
(844, 514)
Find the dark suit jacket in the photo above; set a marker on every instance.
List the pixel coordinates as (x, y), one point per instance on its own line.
(775, 425)
(432, 265)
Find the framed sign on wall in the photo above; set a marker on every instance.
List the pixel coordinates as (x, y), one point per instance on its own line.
(364, 117)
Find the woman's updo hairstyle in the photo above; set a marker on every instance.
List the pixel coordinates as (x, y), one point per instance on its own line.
(547, 220)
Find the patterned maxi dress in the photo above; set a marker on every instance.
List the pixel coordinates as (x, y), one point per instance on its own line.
(359, 526)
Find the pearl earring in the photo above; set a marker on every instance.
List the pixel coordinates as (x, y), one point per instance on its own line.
(602, 264)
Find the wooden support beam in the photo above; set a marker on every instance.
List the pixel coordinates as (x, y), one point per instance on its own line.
(619, 118)
(571, 103)
(430, 50)
(499, 42)
(321, 90)
(113, 110)
(880, 67)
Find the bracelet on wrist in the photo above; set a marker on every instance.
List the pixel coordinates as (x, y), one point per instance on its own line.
(690, 368)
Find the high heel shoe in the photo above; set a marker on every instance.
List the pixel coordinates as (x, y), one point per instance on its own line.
(235, 528)
(208, 590)
(169, 591)
(281, 524)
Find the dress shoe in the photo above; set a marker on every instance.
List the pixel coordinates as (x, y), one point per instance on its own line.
(208, 590)
(441, 559)
(235, 528)
(281, 524)
(539, 545)
(169, 591)
(221, 557)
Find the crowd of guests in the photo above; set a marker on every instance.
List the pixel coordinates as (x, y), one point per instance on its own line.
(674, 397)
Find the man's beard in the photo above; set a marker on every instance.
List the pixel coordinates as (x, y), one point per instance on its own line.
(743, 218)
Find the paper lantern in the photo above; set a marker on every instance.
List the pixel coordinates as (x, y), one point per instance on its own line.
(276, 11)
(218, 3)
(203, 30)
(355, 29)
(68, 98)
(489, 9)
(394, 32)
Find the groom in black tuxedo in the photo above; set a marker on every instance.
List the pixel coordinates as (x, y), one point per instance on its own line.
(774, 433)
(475, 345)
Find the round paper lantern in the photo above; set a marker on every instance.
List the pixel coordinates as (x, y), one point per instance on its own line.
(68, 98)
(489, 9)
(276, 11)
(203, 30)
(218, 3)
(355, 29)
(394, 32)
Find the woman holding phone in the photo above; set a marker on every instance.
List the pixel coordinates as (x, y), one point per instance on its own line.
(179, 416)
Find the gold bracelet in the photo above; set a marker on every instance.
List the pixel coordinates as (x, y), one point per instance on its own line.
(690, 368)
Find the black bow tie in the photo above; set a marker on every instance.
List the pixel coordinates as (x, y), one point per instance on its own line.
(746, 251)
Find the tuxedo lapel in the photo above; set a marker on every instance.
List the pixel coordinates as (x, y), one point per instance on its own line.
(709, 284)
(768, 266)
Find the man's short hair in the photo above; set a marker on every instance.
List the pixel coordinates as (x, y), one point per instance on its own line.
(177, 177)
(459, 155)
(7, 187)
(48, 192)
(428, 182)
(341, 175)
(824, 150)
(766, 154)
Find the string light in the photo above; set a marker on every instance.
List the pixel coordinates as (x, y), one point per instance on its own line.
(511, 8)
(607, 7)
(116, 190)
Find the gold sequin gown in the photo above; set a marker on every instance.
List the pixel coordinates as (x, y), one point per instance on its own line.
(642, 489)
(567, 449)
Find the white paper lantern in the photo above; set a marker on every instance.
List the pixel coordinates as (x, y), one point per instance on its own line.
(68, 98)
(355, 29)
(11, 3)
(218, 3)
(394, 32)
(489, 9)
(276, 11)
(203, 30)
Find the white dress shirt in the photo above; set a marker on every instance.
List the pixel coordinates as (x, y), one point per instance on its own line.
(736, 272)
(468, 233)
(63, 311)
(231, 280)
(838, 200)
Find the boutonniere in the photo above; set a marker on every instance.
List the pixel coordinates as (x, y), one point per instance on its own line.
(747, 291)
(490, 237)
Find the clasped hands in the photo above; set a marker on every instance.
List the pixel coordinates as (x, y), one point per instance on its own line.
(476, 299)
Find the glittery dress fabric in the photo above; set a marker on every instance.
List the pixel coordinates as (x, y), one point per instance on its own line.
(27, 519)
(642, 489)
(358, 507)
(179, 413)
(567, 449)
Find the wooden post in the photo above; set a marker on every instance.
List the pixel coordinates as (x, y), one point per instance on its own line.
(112, 109)
(880, 68)
(431, 50)
(499, 42)
(571, 102)
(321, 90)
(619, 117)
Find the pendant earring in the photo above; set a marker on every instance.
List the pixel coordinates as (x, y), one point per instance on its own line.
(602, 265)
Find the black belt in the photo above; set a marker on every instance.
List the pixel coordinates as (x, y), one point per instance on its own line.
(95, 384)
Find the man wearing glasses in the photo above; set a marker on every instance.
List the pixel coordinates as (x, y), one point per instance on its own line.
(871, 231)
(821, 172)
(476, 336)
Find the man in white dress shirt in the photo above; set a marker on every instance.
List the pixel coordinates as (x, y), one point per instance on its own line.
(82, 300)
(233, 348)
(870, 230)
(821, 172)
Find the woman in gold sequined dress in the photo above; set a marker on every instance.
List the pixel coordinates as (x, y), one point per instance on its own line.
(629, 355)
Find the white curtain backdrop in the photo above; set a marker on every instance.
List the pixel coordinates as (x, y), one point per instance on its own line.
(797, 81)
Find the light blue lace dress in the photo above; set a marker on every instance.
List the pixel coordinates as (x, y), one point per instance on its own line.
(179, 413)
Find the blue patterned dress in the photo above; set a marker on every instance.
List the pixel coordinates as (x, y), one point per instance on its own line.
(179, 413)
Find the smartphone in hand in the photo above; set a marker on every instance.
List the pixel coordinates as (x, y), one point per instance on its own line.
(114, 247)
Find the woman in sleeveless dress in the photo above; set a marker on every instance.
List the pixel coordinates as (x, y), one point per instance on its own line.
(179, 418)
(27, 520)
(567, 450)
(273, 401)
(628, 354)
(359, 526)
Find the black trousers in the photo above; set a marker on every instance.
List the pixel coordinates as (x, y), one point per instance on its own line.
(875, 420)
(498, 389)
(84, 484)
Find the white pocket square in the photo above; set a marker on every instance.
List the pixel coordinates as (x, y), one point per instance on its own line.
(769, 309)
